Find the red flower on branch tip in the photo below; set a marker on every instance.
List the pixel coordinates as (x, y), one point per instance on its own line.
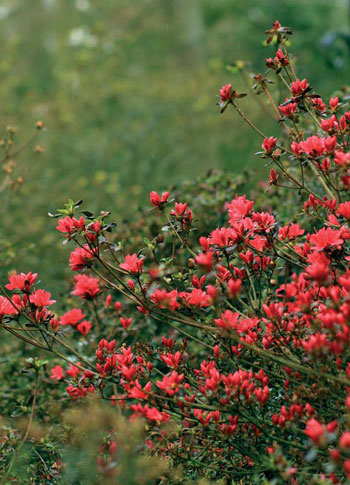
(157, 200)
(69, 225)
(277, 32)
(269, 144)
(21, 281)
(227, 95)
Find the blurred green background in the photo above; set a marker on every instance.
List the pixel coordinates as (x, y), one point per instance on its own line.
(127, 91)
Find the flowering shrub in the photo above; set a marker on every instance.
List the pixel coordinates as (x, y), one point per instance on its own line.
(231, 346)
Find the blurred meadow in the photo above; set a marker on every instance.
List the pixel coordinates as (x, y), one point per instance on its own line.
(127, 90)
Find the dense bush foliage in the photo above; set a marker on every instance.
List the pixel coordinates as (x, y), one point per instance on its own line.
(209, 340)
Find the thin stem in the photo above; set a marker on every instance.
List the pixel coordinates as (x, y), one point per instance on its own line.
(240, 112)
(18, 449)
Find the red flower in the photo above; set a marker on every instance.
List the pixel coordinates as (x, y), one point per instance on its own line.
(313, 146)
(76, 392)
(330, 125)
(269, 144)
(172, 360)
(157, 200)
(168, 342)
(296, 148)
(344, 210)
(299, 87)
(86, 286)
(73, 370)
(198, 283)
(273, 177)
(288, 108)
(41, 298)
(281, 58)
(54, 324)
(132, 264)
(239, 208)
(263, 221)
(180, 209)
(234, 287)
(228, 320)
(334, 103)
(330, 143)
(222, 237)
(344, 441)
(72, 317)
(223, 273)
(319, 105)
(57, 373)
(21, 281)
(262, 394)
(6, 308)
(128, 373)
(95, 227)
(319, 267)
(196, 297)
(108, 301)
(70, 224)
(290, 232)
(316, 343)
(206, 260)
(276, 32)
(315, 431)
(226, 92)
(165, 299)
(325, 238)
(117, 306)
(138, 393)
(80, 257)
(154, 415)
(171, 384)
(84, 327)
(279, 61)
(126, 322)
(342, 159)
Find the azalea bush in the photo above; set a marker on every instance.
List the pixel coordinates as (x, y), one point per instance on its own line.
(102, 144)
(224, 333)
